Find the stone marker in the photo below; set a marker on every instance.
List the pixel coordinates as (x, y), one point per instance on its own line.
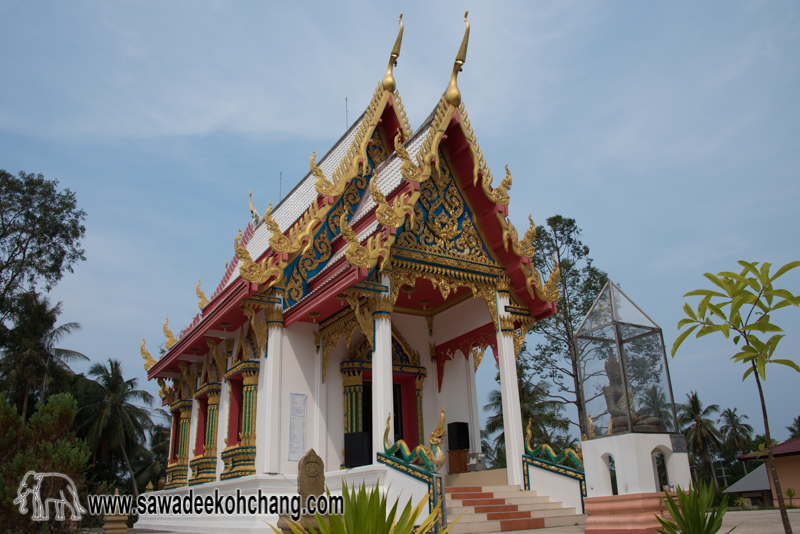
(115, 523)
(310, 481)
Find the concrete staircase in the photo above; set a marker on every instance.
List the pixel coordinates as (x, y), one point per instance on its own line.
(502, 508)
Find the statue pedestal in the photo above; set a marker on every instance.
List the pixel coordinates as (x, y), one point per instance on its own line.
(627, 514)
(634, 460)
(284, 525)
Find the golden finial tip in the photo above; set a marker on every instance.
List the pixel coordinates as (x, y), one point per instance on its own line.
(465, 15)
(388, 82)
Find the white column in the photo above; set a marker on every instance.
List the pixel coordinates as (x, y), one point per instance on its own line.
(382, 405)
(268, 414)
(319, 438)
(192, 435)
(222, 424)
(474, 420)
(512, 413)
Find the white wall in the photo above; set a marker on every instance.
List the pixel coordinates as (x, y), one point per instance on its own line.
(633, 460)
(558, 487)
(298, 373)
(334, 407)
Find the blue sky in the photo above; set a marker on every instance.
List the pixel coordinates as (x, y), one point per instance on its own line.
(669, 131)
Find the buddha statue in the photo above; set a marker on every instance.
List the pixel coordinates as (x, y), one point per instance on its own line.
(615, 397)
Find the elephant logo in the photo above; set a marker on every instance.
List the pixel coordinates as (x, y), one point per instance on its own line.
(56, 483)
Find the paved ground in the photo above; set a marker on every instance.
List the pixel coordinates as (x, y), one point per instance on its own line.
(754, 522)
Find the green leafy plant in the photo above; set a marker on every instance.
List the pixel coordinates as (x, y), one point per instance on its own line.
(365, 513)
(694, 513)
(791, 493)
(742, 305)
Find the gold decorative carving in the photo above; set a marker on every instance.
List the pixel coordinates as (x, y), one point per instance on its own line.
(401, 115)
(362, 314)
(507, 325)
(168, 334)
(449, 232)
(382, 307)
(341, 325)
(250, 378)
(322, 185)
(356, 253)
(477, 355)
(452, 94)
(219, 359)
(446, 281)
(277, 241)
(148, 359)
(202, 296)
(260, 328)
(433, 351)
(164, 392)
(519, 338)
(294, 287)
(309, 260)
(388, 82)
(408, 170)
(191, 381)
(499, 195)
(547, 292)
(393, 215)
(274, 317)
(251, 271)
(524, 248)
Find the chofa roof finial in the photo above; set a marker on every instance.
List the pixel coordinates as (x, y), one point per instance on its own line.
(453, 95)
(388, 82)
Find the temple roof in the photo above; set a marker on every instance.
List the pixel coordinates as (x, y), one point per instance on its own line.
(351, 205)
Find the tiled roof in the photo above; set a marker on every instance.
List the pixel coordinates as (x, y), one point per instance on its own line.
(757, 480)
(787, 448)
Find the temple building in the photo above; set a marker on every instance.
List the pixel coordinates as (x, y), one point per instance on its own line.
(352, 320)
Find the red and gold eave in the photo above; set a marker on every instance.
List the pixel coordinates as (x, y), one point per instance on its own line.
(456, 141)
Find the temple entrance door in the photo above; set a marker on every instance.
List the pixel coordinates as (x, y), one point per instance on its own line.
(366, 409)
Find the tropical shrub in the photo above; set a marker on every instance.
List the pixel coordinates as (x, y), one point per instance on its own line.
(695, 512)
(365, 513)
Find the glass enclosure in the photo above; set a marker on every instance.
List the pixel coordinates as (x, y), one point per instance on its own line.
(623, 369)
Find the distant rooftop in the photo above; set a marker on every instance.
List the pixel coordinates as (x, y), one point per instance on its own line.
(787, 448)
(757, 480)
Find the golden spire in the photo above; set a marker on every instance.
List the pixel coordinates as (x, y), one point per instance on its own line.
(453, 95)
(388, 82)
(148, 359)
(253, 211)
(202, 296)
(168, 334)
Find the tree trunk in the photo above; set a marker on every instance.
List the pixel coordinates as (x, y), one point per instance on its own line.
(26, 392)
(787, 527)
(133, 478)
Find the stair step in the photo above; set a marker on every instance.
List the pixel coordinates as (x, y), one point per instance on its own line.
(481, 527)
(471, 496)
(455, 511)
(471, 518)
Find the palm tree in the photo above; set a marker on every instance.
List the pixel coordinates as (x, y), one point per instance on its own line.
(794, 428)
(654, 403)
(736, 432)
(113, 422)
(153, 460)
(548, 423)
(702, 436)
(31, 350)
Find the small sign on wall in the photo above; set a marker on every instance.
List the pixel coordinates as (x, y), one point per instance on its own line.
(678, 443)
(297, 426)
